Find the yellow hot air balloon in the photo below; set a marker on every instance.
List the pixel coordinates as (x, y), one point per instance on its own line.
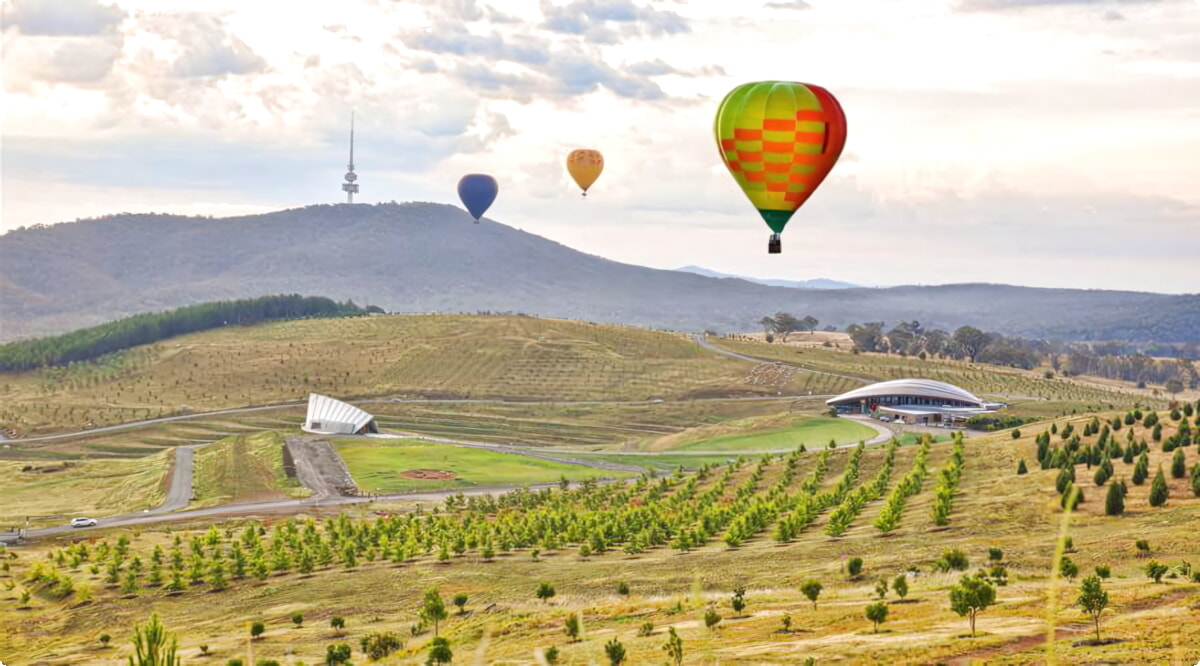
(585, 166)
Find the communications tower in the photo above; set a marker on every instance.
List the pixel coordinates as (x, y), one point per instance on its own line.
(350, 187)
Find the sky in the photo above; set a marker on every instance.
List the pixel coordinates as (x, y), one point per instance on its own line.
(1051, 143)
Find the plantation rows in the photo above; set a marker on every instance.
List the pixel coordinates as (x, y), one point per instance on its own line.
(735, 503)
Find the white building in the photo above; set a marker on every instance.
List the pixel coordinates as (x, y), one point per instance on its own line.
(327, 416)
(915, 401)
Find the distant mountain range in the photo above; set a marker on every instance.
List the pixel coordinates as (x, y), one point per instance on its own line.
(816, 283)
(422, 257)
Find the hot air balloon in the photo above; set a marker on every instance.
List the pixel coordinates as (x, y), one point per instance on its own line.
(477, 192)
(779, 139)
(585, 166)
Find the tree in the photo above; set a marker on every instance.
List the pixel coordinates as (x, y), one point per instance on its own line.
(1021, 468)
(615, 652)
(1156, 571)
(460, 600)
(711, 619)
(545, 591)
(970, 597)
(551, 655)
(571, 627)
(337, 654)
(971, 341)
(1067, 568)
(1178, 464)
(1093, 600)
(104, 639)
(854, 566)
(877, 613)
(439, 652)
(674, 647)
(785, 324)
(738, 602)
(153, 645)
(811, 588)
(1114, 501)
(433, 609)
(1196, 479)
(298, 619)
(257, 628)
(623, 588)
(768, 325)
(338, 624)
(1016, 434)
(1158, 489)
(900, 585)
(881, 587)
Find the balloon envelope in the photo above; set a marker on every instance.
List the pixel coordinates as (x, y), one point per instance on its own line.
(779, 140)
(477, 192)
(585, 166)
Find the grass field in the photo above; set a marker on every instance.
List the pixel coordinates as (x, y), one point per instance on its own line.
(505, 624)
(87, 488)
(776, 432)
(242, 468)
(381, 467)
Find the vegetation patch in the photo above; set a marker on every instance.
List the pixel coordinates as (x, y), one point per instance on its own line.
(243, 467)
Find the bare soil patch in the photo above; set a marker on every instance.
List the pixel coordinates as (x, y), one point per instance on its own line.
(427, 474)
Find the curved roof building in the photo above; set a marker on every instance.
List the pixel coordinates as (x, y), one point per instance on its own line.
(921, 400)
(327, 416)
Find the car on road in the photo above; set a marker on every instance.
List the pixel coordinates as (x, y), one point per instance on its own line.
(83, 522)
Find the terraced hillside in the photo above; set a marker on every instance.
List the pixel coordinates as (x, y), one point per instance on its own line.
(634, 561)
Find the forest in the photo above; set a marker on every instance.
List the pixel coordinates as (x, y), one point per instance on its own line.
(91, 343)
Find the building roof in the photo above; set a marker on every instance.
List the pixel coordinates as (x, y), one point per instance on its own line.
(323, 409)
(925, 388)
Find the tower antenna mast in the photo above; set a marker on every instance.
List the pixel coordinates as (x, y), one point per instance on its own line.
(350, 187)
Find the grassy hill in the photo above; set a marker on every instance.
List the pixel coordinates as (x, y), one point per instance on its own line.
(423, 257)
(460, 357)
(379, 567)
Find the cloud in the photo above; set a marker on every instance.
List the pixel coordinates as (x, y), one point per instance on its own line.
(983, 5)
(63, 17)
(607, 21)
(81, 61)
(450, 39)
(209, 49)
(791, 4)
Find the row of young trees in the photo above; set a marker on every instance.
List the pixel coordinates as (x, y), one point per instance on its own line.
(91, 343)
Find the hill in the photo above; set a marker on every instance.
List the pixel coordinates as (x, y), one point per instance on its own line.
(816, 283)
(421, 257)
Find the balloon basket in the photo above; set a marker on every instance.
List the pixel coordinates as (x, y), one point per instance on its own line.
(775, 244)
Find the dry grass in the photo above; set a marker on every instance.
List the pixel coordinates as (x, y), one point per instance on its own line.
(87, 488)
(243, 468)
(995, 508)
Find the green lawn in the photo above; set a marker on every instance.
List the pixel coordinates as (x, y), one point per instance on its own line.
(381, 465)
(816, 431)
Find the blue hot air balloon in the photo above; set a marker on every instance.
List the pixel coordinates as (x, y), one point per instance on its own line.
(477, 192)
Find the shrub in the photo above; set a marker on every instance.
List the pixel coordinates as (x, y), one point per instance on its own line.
(1103, 571)
(615, 652)
(551, 655)
(545, 591)
(952, 560)
(380, 645)
(1021, 469)
(995, 554)
(1156, 571)
(337, 654)
(1067, 568)
(738, 602)
(572, 627)
(623, 588)
(104, 639)
(646, 629)
(298, 619)
(257, 628)
(854, 566)
(1142, 546)
(1016, 433)
(811, 589)
(439, 651)
(711, 619)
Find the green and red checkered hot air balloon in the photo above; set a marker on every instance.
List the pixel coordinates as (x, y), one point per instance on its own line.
(779, 139)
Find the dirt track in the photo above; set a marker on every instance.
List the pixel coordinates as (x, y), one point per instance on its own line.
(318, 466)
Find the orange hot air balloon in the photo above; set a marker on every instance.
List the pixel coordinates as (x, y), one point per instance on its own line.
(779, 140)
(585, 166)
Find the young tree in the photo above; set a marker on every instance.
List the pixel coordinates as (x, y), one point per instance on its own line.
(811, 588)
(623, 588)
(1021, 468)
(338, 624)
(1093, 600)
(877, 613)
(298, 619)
(1156, 571)
(1179, 464)
(971, 596)
(615, 652)
(854, 566)
(738, 602)
(433, 609)
(674, 647)
(545, 591)
(1196, 479)
(572, 627)
(1158, 489)
(1114, 501)
(337, 654)
(460, 600)
(881, 588)
(900, 585)
(551, 655)
(257, 628)
(1067, 568)
(153, 645)
(711, 619)
(439, 652)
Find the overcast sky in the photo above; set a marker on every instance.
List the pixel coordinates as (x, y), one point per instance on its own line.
(1034, 142)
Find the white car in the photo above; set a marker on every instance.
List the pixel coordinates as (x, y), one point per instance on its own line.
(83, 522)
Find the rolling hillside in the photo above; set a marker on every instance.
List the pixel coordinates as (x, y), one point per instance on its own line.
(422, 257)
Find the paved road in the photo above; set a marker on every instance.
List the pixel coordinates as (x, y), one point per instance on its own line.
(180, 492)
